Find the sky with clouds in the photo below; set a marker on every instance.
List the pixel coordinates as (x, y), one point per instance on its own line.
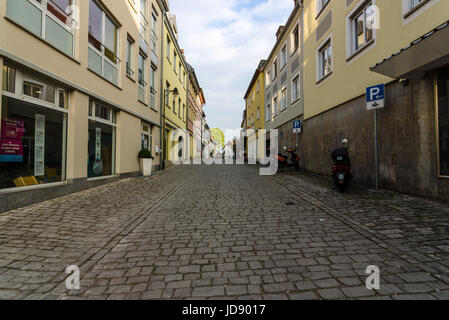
(224, 40)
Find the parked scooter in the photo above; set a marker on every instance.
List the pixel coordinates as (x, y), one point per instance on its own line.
(285, 162)
(341, 170)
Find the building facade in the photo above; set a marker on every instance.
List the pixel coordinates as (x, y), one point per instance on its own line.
(352, 45)
(283, 73)
(255, 105)
(196, 103)
(78, 107)
(175, 78)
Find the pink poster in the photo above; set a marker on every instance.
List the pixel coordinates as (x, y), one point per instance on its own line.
(12, 129)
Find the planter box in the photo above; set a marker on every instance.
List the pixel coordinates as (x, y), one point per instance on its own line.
(146, 166)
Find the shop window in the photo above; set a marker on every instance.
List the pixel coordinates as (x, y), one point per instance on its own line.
(443, 120)
(32, 144)
(101, 146)
(39, 91)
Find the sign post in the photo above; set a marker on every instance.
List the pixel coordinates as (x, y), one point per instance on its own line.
(297, 128)
(375, 99)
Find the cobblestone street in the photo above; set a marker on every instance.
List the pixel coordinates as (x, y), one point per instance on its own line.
(224, 232)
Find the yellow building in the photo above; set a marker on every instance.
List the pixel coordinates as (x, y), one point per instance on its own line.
(81, 93)
(255, 102)
(175, 81)
(352, 45)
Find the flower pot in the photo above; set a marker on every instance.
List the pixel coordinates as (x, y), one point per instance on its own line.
(146, 166)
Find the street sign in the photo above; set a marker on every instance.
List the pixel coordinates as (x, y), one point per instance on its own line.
(297, 126)
(375, 97)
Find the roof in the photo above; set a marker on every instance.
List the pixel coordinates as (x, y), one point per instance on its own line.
(256, 74)
(413, 44)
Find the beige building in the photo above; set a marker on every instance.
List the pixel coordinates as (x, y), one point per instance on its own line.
(81, 93)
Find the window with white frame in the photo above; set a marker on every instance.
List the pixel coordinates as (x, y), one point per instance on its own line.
(103, 43)
(413, 4)
(325, 60)
(275, 69)
(275, 105)
(168, 49)
(321, 4)
(362, 27)
(295, 39)
(268, 113)
(153, 91)
(143, 19)
(142, 83)
(268, 78)
(154, 37)
(129, 57)
(284, 99)
(52, 20)
(283, 56)
(295, 88)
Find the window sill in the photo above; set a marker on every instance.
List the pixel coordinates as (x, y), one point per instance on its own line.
(324, 78)
(360, 50)
(283, 67)
(294, 52)
(143, 103)
(412, 11)
(130, 78)
(322, 9)
(295, 101)
(42, 40)
(101, 77)
(102, 178)
(35, 187)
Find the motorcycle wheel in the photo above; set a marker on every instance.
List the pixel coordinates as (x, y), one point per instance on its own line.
(297, 167)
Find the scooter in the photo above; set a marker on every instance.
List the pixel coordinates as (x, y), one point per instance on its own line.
(285, 162)
(341, 169)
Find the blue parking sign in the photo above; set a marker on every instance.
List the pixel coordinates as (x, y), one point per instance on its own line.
(375, 97)
(297, 126)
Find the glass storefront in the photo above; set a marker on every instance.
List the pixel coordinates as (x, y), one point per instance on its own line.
(33, 132)
(443, 120)
(101, 148)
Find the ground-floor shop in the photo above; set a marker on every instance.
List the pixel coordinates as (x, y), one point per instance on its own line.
(55, 139)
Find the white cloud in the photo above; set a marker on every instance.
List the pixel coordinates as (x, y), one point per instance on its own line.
(224, 40)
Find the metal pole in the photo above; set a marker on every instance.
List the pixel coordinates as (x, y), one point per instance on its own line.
(376, 150)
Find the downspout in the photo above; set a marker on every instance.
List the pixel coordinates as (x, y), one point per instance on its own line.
(162, 112)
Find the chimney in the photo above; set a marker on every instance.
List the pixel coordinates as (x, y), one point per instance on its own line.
(279, 32)
(182, 52)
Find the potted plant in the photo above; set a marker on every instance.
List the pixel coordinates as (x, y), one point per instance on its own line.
(146, 162)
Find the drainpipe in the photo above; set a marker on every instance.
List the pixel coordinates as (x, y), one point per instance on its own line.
(162, 111)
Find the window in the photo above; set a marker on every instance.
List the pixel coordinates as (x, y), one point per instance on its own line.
(275, 69)
(103, 44)
(284, 99)
(443, 121)
(143, 18)
(179, 108)
(142, 83)
(129, 57)
(258, 113)
(268, 78)
(322, 4)
(283, 56)
(180, 77)
(252, 120)
(147, 138)
(275, 105)
(325, 60)
(101, 144)
(51, 20)
(168, 49)
(174, 61)
(33, 123)
(184, 80)
(184, 112)
(362, 26)
(415, 3)
(154, 37)
(295, 89)
(153, 91)
(258, 86)
(295, 39)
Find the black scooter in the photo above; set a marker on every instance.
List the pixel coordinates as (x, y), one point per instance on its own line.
(341, 169)
(285, 162)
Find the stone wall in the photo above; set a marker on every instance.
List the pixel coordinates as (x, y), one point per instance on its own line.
(407, 143)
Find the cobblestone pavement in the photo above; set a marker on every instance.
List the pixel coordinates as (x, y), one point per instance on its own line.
(224, 232)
